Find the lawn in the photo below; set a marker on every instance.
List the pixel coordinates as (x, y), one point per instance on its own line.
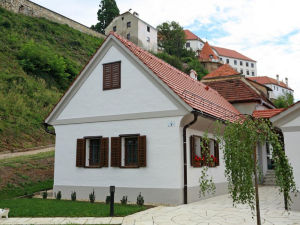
(64, 208)
(26, 174)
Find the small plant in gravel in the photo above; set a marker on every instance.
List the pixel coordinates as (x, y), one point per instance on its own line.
(58, 195)
(92, 196)
(107, 200)
(140, 200)
(124, 200)
(73, 196)
(45, 195)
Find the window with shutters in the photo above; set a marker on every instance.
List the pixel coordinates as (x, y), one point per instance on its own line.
(112, 76)
(92, 152)
(197, 151)
(128, 151)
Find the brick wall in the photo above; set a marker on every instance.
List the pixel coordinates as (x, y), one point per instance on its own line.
(32, 9)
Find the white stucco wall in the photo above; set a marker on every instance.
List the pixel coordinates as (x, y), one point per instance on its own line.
(163, 154)
(137, 94)
(195, 45)
(248, 107)
(242, 67)
(143, 36)
(278, 91)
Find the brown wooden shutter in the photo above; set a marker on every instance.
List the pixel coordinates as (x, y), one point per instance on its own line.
(115, 152)
(115, 75)
(104, 152)
(216, 150)
(142, 151)
(80, 153)
(192, 150)
(107, 77)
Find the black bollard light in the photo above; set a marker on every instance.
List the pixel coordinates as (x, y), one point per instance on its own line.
(112, 199)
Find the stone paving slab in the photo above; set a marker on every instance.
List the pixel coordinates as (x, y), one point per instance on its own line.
(219, 211)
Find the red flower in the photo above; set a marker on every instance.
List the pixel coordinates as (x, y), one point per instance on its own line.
(212, 156)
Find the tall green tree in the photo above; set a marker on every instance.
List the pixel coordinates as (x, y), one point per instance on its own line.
(284, 101)
(171, 38)
(107, 12)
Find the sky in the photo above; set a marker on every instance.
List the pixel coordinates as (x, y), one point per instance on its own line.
(267, 31)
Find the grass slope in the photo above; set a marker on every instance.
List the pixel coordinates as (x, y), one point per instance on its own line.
(38, 60)
(64, 208)
(26, 174)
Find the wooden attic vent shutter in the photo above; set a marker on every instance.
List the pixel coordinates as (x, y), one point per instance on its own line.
(216, 149)
(142, 151)
(104, 152)
(80, 153)
(115, 152)
(192, 150)
(111, 75)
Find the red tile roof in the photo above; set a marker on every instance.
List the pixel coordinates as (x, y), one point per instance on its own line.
(193, 92)
(222, 71)
(231, 53)
(191, 36)
(207, 54)
(268, 113)
(269, 80)
(236, 90)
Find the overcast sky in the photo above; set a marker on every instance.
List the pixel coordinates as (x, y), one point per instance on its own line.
(267, 31)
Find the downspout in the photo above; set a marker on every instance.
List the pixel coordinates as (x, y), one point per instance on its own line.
(184, 157)
(46, 125)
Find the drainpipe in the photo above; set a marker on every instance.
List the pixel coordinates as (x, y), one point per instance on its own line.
(46, 127)
(184, 157)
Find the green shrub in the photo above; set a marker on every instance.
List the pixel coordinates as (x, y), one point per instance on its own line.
(171, 59)
(107, 200)
(73, 196)
(58, 195)
(124, 200)
(140, 200)
(45, 195)
(92, 196)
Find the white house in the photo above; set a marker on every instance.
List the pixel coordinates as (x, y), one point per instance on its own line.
(289, 122)
(131, 27)
(243, 64)
(133, 121)
(193, 42)
(279, 88)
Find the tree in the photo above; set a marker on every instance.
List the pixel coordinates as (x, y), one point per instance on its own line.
(284, 101)
(240, 139)
(107, 12)
(171, 38)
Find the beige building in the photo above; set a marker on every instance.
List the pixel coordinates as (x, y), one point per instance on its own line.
(130, 26)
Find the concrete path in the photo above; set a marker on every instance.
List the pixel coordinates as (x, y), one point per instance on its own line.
(218, 210)
(31, 152)
(213, 211)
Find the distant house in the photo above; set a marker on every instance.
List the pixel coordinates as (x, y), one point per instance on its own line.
(238, 61)
(288, 120)
(243, 64)
(209, 59)
(134, 29)
(279, 88)
(133, 121)
(193, 42)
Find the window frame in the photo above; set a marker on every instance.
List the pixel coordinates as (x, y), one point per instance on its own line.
(104, 88)
(148, 29)
(128, 24)
(187, 44)
(114, 28)
(88, 140)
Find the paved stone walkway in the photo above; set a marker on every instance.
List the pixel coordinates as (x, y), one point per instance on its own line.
(218, 210)
(213, 211)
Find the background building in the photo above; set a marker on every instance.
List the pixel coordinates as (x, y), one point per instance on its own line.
(130, 26)
(279, 88)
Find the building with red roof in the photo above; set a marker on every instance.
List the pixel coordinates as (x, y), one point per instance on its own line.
(193, 42)
(133, 121)
(246, 95)
(278, 87)
(208, 58)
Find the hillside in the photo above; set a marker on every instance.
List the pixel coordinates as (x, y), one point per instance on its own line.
(38, 60)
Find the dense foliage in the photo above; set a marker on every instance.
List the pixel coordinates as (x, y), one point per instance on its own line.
(38, 60)
(240, 139)
(171, 39)
(107, 12)
(284, 101)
